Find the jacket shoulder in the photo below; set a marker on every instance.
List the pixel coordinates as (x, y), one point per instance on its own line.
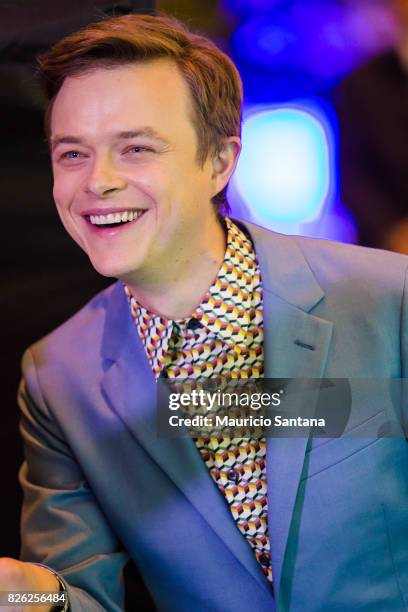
(82, 330)
(338, 260)
(351, 279)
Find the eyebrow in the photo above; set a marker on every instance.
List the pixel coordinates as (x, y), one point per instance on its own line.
(125, 135)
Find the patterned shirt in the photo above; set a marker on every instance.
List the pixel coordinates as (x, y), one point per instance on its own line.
(223, 337)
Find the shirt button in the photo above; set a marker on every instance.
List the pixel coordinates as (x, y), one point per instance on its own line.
(264, 559)
(234, 475)
(193, 324)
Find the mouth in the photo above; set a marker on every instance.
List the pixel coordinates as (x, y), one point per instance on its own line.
(117, 219)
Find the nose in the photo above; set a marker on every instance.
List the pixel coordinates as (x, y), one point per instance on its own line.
(104, 178)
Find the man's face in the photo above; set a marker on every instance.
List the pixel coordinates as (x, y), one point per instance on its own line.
(124, 145)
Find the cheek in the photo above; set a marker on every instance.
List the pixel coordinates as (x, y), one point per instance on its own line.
(60, 191)
(63, 196)
(66, 185)
(198, 180)
(149, 179)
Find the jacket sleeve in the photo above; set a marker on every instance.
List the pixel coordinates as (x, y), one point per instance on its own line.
(62, 525)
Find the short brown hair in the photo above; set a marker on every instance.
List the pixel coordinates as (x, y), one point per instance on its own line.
(212, 78)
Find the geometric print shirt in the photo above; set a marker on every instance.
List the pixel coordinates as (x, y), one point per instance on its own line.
(222, 338)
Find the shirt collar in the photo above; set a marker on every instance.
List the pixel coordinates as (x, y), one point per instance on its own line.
(225, 308)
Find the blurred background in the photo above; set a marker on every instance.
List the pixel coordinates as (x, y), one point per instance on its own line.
(325, 151)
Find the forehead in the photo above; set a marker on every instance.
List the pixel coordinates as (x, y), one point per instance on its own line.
(146, 93)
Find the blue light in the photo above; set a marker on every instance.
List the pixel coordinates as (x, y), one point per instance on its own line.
(284, 172)
(312, 43)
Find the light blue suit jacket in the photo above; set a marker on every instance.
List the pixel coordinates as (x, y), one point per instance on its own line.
(99, 484)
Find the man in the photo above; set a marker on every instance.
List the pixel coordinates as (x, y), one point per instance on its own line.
(144, 126)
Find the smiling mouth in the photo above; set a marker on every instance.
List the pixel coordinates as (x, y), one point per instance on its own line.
(115, 219)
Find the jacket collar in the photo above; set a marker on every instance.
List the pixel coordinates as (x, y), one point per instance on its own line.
(285, 271)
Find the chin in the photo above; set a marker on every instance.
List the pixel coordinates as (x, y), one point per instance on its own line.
(112, 269)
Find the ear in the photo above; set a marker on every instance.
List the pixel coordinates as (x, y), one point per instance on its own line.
(224, 162)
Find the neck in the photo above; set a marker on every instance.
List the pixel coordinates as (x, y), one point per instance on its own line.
(176, 293)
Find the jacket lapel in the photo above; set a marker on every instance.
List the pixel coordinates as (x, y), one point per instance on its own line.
(296, 345)
(131, 390)
(290, 331)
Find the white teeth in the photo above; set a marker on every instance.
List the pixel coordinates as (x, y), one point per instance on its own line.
(120, 217)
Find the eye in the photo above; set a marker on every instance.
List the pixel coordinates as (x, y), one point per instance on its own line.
(71, 156)
(137, 149)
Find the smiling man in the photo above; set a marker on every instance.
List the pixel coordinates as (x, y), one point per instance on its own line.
(128, 186)
(144, 130)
